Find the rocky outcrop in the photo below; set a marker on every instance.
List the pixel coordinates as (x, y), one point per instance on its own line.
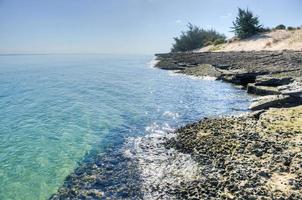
(293, 89)
(255, 156)
(252, 88)
(275, 101)
(272, 81)
(261, 73)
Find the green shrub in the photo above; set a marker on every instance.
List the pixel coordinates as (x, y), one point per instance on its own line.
(280, 27)
(194, 38)
(219, 41)
(290, 28)
(263, 30)
(246, 24)
(208, 43)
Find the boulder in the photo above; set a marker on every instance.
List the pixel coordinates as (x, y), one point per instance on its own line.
(272, 81)
(262, 90)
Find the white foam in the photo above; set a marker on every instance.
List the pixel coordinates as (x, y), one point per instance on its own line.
(160, 169)
(153, 62)
(171, 114)
(207, 78)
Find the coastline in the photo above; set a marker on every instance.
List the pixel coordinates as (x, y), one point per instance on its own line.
(230, 157)
(254, 156)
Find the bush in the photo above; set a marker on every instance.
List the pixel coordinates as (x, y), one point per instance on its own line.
(208, 43)
(280, 27)
(246, 24)
(290, 28)
(194, 38)
(263, 30)
(219, 41)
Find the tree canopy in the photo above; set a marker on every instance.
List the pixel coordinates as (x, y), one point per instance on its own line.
(195, 38)
(246, 24)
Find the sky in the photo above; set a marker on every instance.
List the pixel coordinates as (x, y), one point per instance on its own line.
(124, 26)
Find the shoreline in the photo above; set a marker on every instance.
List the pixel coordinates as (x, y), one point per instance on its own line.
(254, 156)
(228, 157)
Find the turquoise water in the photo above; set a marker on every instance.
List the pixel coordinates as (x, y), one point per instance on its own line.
(56, 109)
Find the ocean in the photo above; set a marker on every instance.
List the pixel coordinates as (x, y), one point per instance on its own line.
(56, 111)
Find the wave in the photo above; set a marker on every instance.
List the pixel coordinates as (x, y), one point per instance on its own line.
(176, 73)
(161, 170)
(153, 62)
(172, 115)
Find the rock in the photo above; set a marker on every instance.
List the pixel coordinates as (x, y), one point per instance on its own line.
(202, 71)
(272, 81)
(252, 88)
(240, 77)
(269, 101)
(222, 66)
(168, 64)
(292, 89)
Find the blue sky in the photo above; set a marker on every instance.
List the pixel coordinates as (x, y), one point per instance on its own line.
(123, 26)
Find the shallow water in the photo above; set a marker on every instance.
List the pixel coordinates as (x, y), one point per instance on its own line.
(58, 109)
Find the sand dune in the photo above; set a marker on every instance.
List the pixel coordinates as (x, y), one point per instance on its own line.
(271, 41)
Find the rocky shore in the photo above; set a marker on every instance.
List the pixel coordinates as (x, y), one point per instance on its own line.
(275, 75)
(256, 155)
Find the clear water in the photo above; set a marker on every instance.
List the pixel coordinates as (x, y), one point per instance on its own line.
(55, 109)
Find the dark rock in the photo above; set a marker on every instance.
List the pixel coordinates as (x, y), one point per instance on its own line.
(252, 88)
(272, 81)
(275, 101)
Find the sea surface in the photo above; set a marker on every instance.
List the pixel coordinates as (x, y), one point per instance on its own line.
(57, 109)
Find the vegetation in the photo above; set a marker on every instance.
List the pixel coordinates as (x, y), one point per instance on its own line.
(246, 24)
(263, 30)
(280, 27)
(208, 43)
(219, 41)
(195, 38)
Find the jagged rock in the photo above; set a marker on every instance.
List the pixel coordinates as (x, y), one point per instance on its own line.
(252, 88)
(240, 77)
(168, 64)
(292, 89)
(270, 101)
(272, 81)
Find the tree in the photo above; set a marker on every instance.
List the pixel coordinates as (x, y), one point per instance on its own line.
(194, 38)
(246, 24)
(280, 27)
